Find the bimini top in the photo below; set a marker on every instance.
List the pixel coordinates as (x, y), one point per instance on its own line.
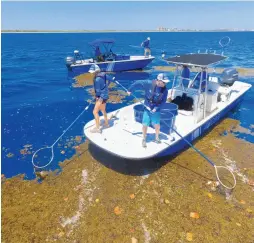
(101, 41)
(197, 59)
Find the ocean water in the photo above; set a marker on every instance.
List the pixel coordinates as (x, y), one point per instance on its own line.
(39, 102)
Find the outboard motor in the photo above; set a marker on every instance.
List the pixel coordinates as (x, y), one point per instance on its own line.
(228, 77)
(69, 61)
(73, 60)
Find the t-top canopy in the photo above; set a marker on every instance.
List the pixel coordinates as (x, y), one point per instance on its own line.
(101, 41)
(199, 59)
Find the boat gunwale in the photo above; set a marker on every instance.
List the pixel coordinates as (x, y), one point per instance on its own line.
(109, 62)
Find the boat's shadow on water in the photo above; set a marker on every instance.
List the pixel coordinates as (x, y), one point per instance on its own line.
(136, 167)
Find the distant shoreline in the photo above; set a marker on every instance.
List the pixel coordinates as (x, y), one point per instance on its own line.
(116, 31)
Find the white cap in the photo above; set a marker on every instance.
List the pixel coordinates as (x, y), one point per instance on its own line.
(94, 68)
(148, 38)
(162, 78)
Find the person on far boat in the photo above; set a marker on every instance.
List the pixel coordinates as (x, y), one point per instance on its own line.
(146, 45)
(155, 96)
(185, 76)
(98, 54)
(101, 82)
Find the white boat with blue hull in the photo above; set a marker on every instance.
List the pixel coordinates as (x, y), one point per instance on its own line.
(193, 110)
(106, 60)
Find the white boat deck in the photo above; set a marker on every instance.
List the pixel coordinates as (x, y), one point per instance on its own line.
(124, 136)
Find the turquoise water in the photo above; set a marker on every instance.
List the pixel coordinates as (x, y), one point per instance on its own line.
(39, 102)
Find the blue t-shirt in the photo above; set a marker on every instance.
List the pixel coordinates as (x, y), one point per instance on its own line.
(147, 86)
(146, 44)
(185, 74)
(97, 52)
(101, 83)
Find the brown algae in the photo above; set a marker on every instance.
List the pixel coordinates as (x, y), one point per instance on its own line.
(91, 202)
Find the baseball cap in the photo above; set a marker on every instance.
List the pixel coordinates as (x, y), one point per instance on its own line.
(94, 68)
(162, 77)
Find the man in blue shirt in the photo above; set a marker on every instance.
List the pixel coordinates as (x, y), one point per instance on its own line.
(185, 76)
(101, 83)
(98, 54)
(155, 96)
(146, 45)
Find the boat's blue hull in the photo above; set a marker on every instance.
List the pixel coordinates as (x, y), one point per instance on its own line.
(200, 131)
(114, 66)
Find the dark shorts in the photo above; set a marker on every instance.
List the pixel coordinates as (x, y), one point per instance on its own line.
(103, 101)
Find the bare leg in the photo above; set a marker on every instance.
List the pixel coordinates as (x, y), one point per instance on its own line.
(103, 110)
(144, 136)
(144, 132)
(95, 113)
(157, 131)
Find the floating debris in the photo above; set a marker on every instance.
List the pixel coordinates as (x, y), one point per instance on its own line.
(194, 215)
(251, 182)
(61, 234)
(166, 201)
(151, 182)
(249, 210)
(78, 139)
(23, 151)
(134, 240)
(189, 236)
(62, 152)
(42, 174)
(243, 71)
(146, 233)
(27, 145)
(117, 210)
(9, 155)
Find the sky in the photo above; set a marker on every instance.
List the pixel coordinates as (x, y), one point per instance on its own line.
(67, 15)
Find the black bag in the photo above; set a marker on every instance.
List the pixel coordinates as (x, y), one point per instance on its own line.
(184, 102)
